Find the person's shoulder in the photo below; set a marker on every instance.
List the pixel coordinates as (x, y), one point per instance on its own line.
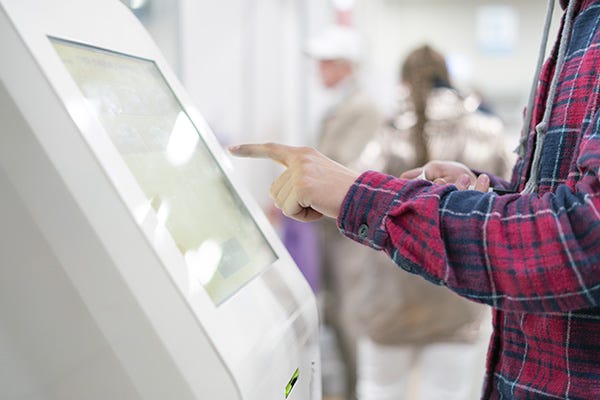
(361, 101)
(480, 119)
(445, 104)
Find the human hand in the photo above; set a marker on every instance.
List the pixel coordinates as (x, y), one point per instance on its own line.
(482, 183)
(312, 185)
(449, 172)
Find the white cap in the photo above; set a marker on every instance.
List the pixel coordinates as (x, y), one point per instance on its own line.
(336, 43)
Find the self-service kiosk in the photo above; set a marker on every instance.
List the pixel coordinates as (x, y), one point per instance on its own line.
(133, 265)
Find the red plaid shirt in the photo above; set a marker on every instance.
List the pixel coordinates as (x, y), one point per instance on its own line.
(534, 258)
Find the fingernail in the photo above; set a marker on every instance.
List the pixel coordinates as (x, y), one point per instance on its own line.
(233, 149)
(464, 180)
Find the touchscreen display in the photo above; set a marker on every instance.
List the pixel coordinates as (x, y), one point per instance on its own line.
(219, 240)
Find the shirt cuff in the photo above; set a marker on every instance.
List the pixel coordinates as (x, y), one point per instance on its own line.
(365, 208)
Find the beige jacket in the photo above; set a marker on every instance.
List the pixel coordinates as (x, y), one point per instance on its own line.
(348, 127)
(456, 131)
(395, 307)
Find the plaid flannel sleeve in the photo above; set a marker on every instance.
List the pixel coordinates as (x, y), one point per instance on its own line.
(516, 252)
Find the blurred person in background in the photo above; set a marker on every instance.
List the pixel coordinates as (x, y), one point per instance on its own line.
(350, 123)
(533, 253)
(438, 123)
(421, 341)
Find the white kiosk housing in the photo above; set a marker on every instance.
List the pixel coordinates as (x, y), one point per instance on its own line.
(132, 265)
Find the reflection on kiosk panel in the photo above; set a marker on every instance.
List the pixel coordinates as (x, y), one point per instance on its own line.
(212, 228)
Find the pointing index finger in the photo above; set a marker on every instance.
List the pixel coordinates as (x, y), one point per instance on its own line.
(277, 152)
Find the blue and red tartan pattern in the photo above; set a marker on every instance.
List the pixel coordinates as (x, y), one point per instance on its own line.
(534, 258)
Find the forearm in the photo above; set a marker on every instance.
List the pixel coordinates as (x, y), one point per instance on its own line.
(527, 253)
